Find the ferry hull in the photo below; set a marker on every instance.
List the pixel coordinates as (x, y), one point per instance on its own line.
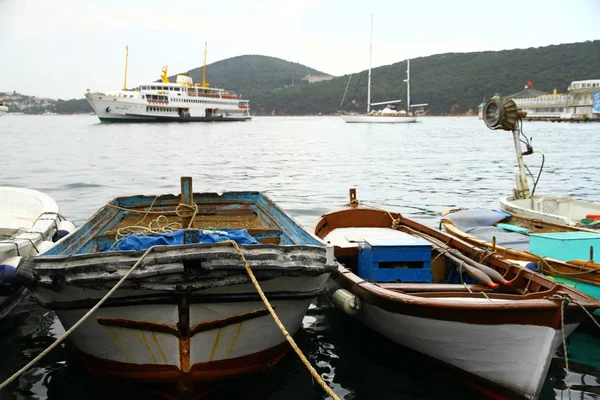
(378, 119)
(3, 111)
(115, 109)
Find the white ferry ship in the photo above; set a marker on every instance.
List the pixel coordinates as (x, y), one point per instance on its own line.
(582, 103)
(165, 101)
(181, 101)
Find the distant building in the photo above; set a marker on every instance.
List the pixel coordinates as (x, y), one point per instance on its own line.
(317, 78)
(582, 102)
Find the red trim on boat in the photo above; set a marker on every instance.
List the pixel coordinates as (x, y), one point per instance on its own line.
(212, 370)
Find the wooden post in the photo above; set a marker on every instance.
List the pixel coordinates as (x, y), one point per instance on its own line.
(187, 197)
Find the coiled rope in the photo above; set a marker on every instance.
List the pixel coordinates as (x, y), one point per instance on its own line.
(77, 324)
(287, 335)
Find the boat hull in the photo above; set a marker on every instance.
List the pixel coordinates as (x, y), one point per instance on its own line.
(183, 335)
(143, 342)
(114, 109)
(3, 111)
(378, 119)
(506, 351)
(513, 356)
(558, 210)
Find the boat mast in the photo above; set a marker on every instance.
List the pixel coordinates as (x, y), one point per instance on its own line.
(204, 84)
(370, 62)
(126, 57)
(407, 80)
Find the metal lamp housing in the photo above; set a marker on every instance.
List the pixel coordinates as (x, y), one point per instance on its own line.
(500, 114)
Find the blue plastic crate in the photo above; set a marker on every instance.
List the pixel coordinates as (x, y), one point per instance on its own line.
(406, 259)
(566, 246)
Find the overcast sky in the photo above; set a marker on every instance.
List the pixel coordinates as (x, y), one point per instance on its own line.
(60, 48)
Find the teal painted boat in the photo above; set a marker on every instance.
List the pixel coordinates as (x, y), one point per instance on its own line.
(569, 254)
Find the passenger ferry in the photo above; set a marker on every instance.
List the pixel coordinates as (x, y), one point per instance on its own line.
(181, 101)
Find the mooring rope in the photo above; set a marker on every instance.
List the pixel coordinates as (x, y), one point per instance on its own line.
(77, 324)
(287, 335)
(564, 341)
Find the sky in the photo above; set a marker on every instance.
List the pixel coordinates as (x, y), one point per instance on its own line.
(61, 48)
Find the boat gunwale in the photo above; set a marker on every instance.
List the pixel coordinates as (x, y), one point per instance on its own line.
(525, 255)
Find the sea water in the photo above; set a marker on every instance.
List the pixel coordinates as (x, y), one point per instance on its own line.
(306, 165)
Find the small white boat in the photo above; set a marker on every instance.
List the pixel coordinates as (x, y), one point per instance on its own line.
(3, 109)
(559, 210)
(502, 114)
(390, 114)
(29, 220)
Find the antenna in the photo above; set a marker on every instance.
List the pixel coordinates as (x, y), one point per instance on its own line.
(126, 57)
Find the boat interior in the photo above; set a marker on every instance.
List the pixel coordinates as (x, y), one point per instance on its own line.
(525, 234)
(407, 259)
(251, 211)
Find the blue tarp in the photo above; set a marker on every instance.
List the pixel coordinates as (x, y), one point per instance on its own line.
(135, 242)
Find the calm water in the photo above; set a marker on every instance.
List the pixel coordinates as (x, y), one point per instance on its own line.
(306, 165)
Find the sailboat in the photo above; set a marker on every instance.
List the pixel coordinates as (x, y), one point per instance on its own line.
(390, 114)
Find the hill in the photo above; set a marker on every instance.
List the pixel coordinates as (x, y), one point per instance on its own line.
(452, 83)
(251, 75)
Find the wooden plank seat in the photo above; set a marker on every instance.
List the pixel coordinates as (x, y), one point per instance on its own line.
(432, 287)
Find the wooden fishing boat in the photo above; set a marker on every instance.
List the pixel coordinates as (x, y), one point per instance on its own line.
(190, 312)
(567, 253)
(29, 222)
(468, 308)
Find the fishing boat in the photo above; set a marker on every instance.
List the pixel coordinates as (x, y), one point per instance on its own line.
(190, 313)
(465, 307)
(569, 254)
(3, 109)
(29, 225)
(182, 101)
(502, 114)
(390, 114)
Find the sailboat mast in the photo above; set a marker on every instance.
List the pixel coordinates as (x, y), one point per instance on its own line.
(407, 85)
(370, 62)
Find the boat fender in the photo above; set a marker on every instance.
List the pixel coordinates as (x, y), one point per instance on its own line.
(527, 264)
(346, 301)
(8, 267)
(63, 229)
(44, 246)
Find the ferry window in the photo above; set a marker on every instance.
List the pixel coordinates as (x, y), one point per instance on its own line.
(143, 96)
(153, 87)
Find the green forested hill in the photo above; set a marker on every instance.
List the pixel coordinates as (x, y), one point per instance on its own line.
(450, 83)
(252, 75)
(461, 80)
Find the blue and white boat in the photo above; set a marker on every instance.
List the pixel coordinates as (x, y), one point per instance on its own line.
(190, 312)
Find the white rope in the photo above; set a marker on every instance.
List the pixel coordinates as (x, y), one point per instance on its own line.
(81, 321)
(564, 342)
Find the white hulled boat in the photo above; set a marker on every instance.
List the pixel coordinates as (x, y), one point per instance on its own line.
(390, 114)
(3, 109)
(29, 225)
(164, 101)
(502, 114)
